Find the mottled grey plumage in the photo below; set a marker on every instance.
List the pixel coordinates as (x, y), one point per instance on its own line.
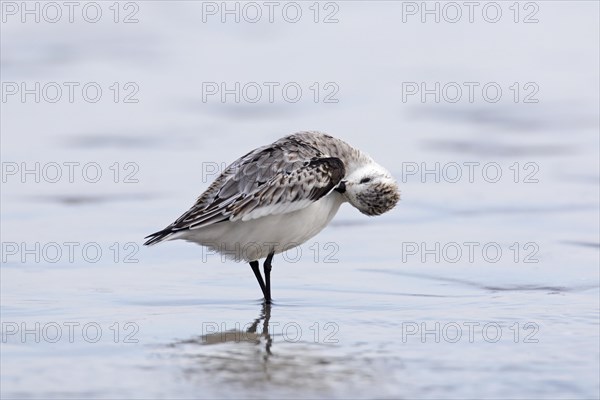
(278, 178)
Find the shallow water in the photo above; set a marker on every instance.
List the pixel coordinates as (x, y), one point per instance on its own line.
(506, 305)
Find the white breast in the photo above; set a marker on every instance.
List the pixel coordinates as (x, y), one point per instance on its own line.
(255, 239)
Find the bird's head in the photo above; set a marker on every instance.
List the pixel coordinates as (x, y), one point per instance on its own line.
(371, 189)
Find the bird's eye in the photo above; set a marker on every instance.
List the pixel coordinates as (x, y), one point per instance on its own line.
(365, 180)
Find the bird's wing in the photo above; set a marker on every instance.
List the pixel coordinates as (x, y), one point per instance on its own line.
(285, 176)
(285, 192)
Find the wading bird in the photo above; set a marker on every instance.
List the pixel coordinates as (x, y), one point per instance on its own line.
(278, 196)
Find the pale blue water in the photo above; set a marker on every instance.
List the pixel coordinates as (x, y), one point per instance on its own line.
(510, 309)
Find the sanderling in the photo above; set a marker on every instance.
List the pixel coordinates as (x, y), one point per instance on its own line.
(278, 196)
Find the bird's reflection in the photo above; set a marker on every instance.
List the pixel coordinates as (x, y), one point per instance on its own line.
(264, 316)
(241, 361)
(253, 334)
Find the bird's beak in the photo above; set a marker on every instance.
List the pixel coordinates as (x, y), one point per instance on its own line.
(341, 187)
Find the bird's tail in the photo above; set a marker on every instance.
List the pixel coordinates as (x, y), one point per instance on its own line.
(159, 236)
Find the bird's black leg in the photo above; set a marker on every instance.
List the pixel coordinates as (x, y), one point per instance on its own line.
(267, 267)
(254, 265)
